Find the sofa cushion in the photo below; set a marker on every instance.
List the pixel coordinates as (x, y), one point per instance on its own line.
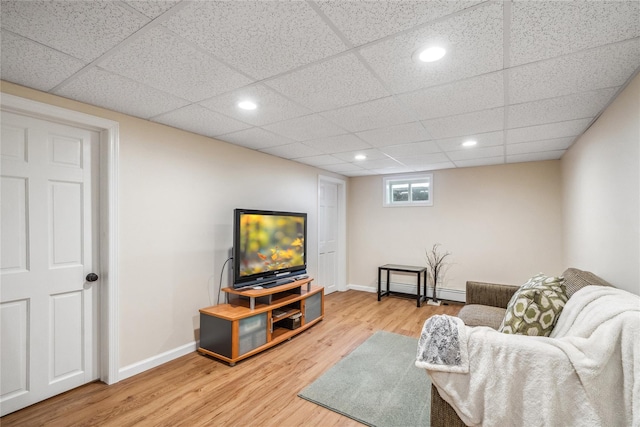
(575, 279)
(535, 307)
(482, 315)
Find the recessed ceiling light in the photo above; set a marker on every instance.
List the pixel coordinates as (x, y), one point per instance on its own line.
(469, 143)
(247, 105)
(430, 54)
(360, 157)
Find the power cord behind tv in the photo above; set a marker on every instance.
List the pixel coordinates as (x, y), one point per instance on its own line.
(221, 274)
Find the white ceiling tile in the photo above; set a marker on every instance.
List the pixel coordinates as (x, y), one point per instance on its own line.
(363, 22)
(473, 153)
(547, 131)
(537, 146)
(343, 168)
(570, 107)
(82, 29)
(333, 83)
(392, 170)
(411, 149)
(370, 115)
(371, 154)
(338, 143)
(545, 29)
(486, 161)
(305, 128)
(473, 41)
(489, 139)
(34, 65)
(465, 96)
(423, 167)
(272, 107)
(108, 90)
(197, 119)
(292, 151)
(379, 163)
(536, 157)
(154, 8)
(255, 138)
(166, 62)
(321, 160)
(394, 135)
(261, 38)
(466, 124)
(423, 159)
(361, 172)
(599, 68)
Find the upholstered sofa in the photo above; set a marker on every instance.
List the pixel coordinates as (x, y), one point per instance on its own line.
(486, 306)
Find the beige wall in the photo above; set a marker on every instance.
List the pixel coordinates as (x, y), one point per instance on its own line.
(501, 224)
(177, 195)
(601, 188)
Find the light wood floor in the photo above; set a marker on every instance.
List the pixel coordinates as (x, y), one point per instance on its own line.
(195, 390)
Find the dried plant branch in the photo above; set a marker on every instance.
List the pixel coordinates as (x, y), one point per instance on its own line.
(437, 265)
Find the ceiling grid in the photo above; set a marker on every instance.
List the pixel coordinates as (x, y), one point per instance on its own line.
(333, 79)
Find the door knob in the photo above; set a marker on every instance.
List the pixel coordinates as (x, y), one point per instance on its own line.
(92, 277)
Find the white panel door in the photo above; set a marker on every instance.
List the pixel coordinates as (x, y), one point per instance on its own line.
(327, 236)
(49, 312)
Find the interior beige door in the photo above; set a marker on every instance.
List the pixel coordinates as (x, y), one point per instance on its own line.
(49, 241)
(327, 236)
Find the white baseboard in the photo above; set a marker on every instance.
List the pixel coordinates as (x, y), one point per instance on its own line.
(361, 288)
(154, 361)
(443, 293)
(167, 356)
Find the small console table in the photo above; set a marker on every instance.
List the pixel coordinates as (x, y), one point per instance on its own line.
(418, 271)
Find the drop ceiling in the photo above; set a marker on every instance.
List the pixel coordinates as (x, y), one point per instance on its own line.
(333, 79)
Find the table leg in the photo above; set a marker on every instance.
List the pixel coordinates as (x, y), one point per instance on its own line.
(418, 291)
(424, 286)
(379, 279)
(388, 278)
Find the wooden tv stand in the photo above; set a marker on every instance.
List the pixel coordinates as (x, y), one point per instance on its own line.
(257, 319)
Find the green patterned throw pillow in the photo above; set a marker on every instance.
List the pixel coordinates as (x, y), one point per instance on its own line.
(535, 307)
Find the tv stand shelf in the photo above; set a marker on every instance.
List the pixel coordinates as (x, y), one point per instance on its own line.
(254, 319)
(267, 293)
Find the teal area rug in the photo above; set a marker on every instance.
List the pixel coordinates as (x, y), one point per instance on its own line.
(377, 384)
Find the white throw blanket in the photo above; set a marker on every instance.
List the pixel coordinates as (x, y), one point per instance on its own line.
(587, 373)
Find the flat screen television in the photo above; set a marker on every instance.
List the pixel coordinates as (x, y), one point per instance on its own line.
(269, 247)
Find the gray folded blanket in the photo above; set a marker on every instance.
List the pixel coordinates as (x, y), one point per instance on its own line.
(442, 345)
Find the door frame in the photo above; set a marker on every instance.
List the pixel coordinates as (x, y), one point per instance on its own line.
(342, 228)
(108, 345)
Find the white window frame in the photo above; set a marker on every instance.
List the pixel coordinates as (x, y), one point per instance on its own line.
(388, 181)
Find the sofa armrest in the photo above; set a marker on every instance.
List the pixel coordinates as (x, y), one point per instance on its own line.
(492, 294)
(442, 414)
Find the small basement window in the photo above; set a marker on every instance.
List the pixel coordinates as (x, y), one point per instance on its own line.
(415, 190)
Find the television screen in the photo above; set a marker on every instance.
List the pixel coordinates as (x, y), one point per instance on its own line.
(268, 245)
